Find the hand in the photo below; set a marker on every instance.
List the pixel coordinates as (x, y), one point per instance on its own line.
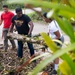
(9, 34)
(29, 35)
(14, 30)
(0, 22)
(37, 35)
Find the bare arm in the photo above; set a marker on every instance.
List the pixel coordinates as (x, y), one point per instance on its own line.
(1, 22)
(11, 28)
(31, 27)
(57, 34)
(1, 19)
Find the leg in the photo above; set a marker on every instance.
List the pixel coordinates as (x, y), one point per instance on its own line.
(31, 48)
(56, 62)
(5, 39)
(13, 44)
(20, 49)
(55, 65)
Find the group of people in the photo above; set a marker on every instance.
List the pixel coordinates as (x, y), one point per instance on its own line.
(24, 26)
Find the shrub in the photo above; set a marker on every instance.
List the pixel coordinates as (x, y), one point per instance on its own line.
(35, 17)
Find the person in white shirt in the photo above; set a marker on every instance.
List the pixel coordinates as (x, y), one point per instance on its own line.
(54, 29)
(54, 33)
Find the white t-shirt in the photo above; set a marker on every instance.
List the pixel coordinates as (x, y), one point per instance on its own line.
(53, 27)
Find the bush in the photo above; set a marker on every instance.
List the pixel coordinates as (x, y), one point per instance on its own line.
(35, 17)
(13, 6)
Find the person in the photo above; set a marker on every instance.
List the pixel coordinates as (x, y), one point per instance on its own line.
(54, 33)
(6, 17)
(24, 26)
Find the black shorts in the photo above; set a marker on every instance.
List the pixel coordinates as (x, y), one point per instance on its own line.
(61, 39)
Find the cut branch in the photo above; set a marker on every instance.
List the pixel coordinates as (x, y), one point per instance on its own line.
(24, 38)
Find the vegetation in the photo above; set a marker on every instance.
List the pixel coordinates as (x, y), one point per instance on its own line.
(11, 6)
(64, 8)
(1, 3)
(35, 17)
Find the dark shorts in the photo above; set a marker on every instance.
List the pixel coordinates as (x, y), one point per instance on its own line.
(62, 40)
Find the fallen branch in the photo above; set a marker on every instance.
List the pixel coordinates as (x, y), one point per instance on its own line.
(26, 63)
(25, 38)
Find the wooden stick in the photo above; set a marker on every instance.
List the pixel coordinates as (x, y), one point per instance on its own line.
(24, 38)
(26, 63)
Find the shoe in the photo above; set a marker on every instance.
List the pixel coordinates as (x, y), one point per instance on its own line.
(54, 72)
(4, 50)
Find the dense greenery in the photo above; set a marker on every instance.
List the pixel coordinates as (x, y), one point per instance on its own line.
(11, 6)
(35, 17)
(1, 3)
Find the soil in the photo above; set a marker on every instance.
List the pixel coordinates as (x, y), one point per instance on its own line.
(9, 62)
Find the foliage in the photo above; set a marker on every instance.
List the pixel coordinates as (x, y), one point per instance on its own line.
(35, 17)
(13, 6)
(1, 3)
(67, 12)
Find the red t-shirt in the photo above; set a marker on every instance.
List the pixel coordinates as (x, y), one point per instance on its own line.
(6, 17)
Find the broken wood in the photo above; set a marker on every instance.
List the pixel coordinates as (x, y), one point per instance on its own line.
(24, 38)
(26, 63)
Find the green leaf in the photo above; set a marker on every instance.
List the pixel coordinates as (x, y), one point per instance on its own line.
(60, 52)
(64, 10)
(69, 61)
(72, 3)
(52, 46)
(65, 13)
(65, 70)
(42, 55)
(44, 4)
(49, 42)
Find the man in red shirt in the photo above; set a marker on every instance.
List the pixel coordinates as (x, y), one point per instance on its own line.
(6, 17)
